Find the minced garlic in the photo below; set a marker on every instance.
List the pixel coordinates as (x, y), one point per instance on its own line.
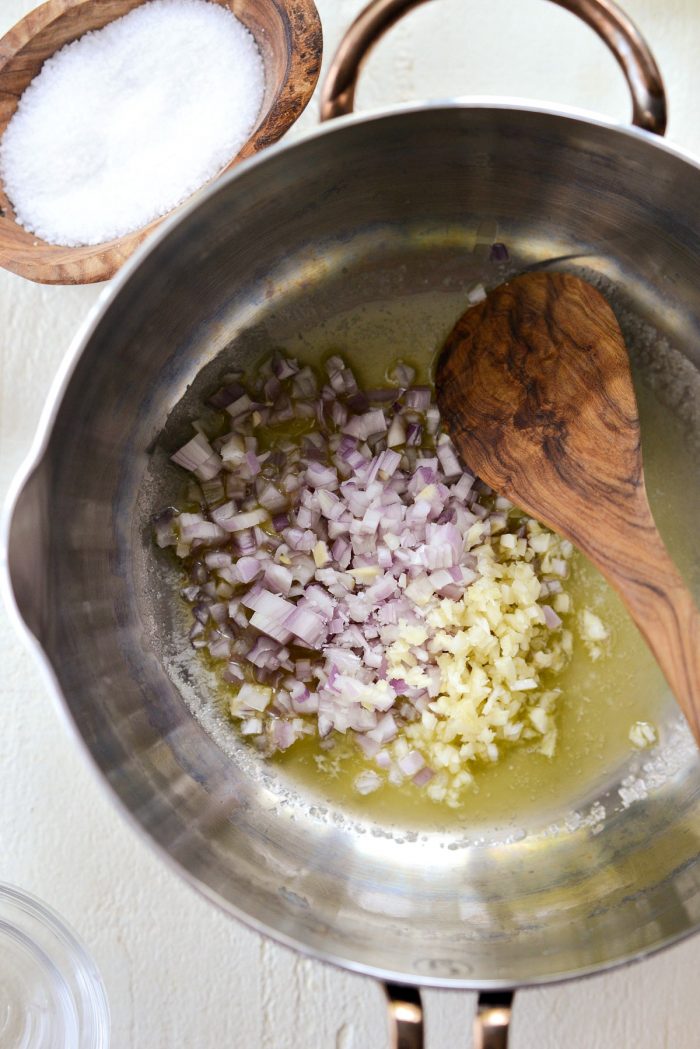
(593, 633)
(492, 647)
(642, 735)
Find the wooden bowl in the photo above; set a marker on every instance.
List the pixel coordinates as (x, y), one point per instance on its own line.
(288, 33)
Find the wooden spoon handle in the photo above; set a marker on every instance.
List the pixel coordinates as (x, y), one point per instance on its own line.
(665, 612)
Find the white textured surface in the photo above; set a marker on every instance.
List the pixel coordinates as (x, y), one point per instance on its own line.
(178, 973)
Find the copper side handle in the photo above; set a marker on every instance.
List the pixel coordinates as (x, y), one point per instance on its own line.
(405, 1017)
(492, 1020)
(603, 16)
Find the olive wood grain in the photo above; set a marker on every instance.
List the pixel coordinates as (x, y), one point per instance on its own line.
(288, 33)
(535, 388)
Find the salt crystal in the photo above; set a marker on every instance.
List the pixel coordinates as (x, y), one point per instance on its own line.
(125, 123)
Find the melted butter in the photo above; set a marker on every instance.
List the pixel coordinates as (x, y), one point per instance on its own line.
(600, 700)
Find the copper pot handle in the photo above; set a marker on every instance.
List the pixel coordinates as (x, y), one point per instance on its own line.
(405, 1017)
(491, 1023)
(603, 16)
(492, 1020)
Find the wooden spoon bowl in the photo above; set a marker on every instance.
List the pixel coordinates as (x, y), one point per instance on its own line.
(288, 34)
(535, 389)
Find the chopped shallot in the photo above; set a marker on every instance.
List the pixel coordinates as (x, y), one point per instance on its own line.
(314, 557)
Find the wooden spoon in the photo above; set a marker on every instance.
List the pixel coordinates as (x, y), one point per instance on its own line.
(534, 386)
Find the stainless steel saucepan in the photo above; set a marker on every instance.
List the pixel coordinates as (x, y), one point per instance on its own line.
(365, 214)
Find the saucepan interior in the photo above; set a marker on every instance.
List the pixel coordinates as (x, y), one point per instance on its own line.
(369, 232)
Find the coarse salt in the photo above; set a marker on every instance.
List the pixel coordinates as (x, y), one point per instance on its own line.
(125, 123)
